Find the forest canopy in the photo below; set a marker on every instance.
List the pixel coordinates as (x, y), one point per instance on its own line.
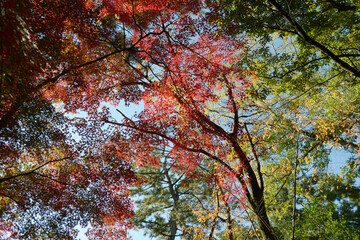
(247, 125)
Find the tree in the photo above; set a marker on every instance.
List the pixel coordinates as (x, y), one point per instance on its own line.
(305, 56)
(328, 200)
(283, 126)
(209, 97)
(171, 205)
(303, 49)
(165, 199)
(181, 111)
(322, 31)
(57, 52)
(45, 193)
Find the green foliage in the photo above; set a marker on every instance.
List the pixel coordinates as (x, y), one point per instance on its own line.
(317, 221)
(165, 200)
(305, 54)
(321, 34)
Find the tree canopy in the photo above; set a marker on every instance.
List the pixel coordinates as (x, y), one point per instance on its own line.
(245, 108)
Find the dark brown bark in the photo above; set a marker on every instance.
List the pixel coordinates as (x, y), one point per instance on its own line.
(256, 195)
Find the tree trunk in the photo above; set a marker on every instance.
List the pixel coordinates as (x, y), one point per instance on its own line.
(255, 194)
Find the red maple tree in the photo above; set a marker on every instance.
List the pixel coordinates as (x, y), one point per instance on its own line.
(70, 52)
(194, 100)
(82, 53)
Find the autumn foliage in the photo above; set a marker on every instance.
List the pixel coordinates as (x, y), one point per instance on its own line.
(67, 158)
(77, 54)
(72, 53)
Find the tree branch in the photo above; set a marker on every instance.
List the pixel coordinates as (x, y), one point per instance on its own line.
(303, 35)
(32, 171)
